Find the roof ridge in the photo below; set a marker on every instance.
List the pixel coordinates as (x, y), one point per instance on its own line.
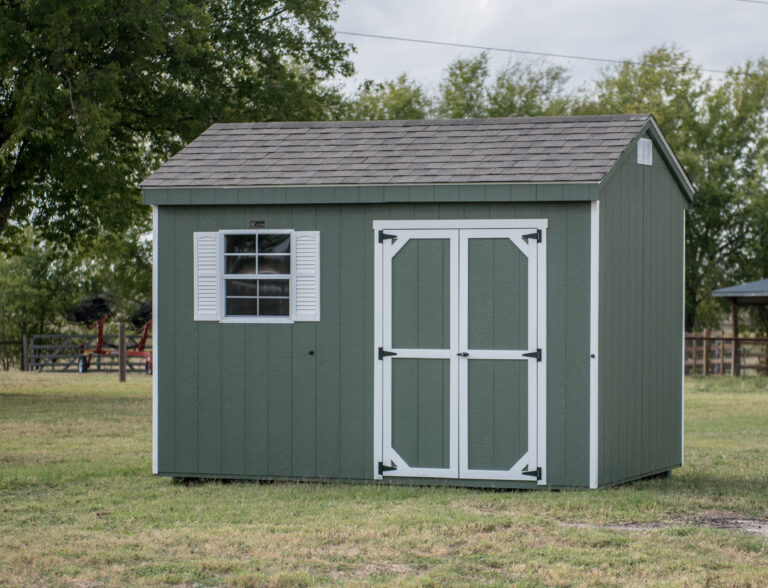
(637, 117)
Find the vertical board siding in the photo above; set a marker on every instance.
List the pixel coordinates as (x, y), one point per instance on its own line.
(186, 378)
(166, 378)
(250, 400)
(640, 382)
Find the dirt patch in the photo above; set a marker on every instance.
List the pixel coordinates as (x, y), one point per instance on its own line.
(371, 569)
(707, 519)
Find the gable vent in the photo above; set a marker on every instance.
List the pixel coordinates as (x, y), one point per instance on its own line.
(644, 152)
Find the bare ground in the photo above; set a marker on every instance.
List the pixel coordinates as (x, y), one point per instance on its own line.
(707, 519)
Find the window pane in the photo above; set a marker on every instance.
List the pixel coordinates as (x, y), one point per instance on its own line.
(241, 243)
(242, 287)
(241, 264)
(271, 243)
(273, 287)
(274, 264)
(242, 307)
(273, 306)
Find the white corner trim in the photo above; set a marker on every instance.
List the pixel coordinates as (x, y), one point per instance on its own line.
(594, 322)
(155, 450)
(682, 379)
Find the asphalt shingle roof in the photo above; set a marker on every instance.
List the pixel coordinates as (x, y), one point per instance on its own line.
(530, 149)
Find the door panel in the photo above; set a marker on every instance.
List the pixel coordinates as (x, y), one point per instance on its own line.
(421, 296)
(498, 295)
(497, 413)
(497, 382)
(421, 412)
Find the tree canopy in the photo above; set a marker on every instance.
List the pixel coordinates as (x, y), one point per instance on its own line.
(718, 129)
(94, 94)
(719, 132)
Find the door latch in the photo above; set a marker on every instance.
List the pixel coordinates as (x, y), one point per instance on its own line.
(463, 354)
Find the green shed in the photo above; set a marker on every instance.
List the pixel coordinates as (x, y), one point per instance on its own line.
(494, 302)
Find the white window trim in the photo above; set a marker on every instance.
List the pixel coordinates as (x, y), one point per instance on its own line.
(291, 279)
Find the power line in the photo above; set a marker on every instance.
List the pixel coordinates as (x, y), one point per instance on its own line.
(752, 1)
(506, 50)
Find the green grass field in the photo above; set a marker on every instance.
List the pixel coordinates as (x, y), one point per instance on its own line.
(80, 507)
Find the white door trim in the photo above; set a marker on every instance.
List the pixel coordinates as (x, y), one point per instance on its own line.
(462, 224)
(382, 368)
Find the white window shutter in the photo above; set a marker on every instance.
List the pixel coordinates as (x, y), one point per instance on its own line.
(307, 276)
(206, 276)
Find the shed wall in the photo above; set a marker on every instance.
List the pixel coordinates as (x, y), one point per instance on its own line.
(640, 330)
(247, 400)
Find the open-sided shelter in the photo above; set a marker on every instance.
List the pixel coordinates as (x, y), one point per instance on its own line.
(493, 302)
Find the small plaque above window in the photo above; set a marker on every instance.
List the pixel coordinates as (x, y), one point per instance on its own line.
(644, 152)
(257, 224)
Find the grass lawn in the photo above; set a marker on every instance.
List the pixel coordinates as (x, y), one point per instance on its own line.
(79, 506)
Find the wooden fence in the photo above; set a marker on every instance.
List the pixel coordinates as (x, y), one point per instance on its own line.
(714, 353)
(63, 352)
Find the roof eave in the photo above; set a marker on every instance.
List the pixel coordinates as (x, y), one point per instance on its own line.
(652, 128)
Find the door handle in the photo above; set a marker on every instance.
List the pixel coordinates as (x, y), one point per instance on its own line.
(463, 354)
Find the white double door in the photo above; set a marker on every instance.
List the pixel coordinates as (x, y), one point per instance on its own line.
(460, 351)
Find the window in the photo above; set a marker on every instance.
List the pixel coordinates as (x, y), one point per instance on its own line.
(257, 274)
(261, 276)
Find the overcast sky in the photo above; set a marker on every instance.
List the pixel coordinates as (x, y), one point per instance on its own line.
(715, 33)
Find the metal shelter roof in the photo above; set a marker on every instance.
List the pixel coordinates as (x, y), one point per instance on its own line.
(749, 292)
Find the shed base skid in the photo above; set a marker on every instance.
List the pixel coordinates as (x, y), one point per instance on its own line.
(193, 479)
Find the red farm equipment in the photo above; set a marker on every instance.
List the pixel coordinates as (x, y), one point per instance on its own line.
(85, 311)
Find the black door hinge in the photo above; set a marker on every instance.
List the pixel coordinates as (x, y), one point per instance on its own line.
(383, 236)
(383, 468)
(383, 354)
(536, 472)
(536, 354)
(536, 235)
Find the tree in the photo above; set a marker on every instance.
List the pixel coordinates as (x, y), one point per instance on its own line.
(525, 89)
(463, 92)
(93, 95)
(37, 287)
(398, 99)
(719, 133)
(519, 89)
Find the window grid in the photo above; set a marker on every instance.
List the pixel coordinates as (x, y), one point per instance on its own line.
(249, 285)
